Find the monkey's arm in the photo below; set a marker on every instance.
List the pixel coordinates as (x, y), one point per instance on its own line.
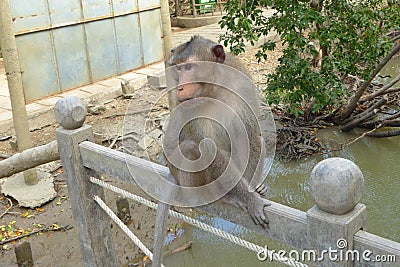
(189, 150)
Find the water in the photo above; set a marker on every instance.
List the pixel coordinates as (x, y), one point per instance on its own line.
(391, 70)
(378, 160)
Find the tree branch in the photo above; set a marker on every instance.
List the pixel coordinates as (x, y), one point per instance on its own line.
(392, 90)
(382, 134)
(354, 100)
(48, 229)
(389, 121)
(29, 158)
(10, 207)
(382, 90)
(361, 136)
(367, 114)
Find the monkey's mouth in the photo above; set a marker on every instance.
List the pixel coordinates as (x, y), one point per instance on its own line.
(186, 99)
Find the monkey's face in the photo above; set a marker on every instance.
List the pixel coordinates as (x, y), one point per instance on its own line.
(189, 88)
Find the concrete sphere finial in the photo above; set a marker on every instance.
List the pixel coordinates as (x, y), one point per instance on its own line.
(336, 185)
(70, 112)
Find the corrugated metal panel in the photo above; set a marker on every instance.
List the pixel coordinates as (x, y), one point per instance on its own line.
(146, 4)
(65, 12)
(96, 8)
(124, 6)
(65, 44)
(102, 49)
(72, 62)
(37, 62)
(28, 14)
(129, 42)
(150, 22)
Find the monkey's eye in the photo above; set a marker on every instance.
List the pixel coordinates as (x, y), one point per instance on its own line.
(178, 67)
(188, 66)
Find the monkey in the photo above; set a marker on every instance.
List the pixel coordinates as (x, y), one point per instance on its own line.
(197, 98)
(189, 127)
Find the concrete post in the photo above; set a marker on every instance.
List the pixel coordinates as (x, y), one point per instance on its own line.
(14, 78)
(336, 186)
(93, 225)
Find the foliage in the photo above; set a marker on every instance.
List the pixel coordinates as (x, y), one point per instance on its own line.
(350, 35)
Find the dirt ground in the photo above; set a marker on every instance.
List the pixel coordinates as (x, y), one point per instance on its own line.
(107, 120)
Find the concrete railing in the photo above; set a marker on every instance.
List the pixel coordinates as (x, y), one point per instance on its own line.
(329, 234)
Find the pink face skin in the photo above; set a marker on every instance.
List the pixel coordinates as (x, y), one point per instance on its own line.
(188, 89)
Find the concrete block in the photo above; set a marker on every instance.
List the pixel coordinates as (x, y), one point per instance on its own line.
(329, 232)
(190, 22)
(43, 190)
(157, 80)
(131, 76)
(101, 93)
(76, 92)
(93, 89)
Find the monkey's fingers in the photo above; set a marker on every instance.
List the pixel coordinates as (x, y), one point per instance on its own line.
(266, 203)
(262, 189)
(261, 220)
(264, 221)
(255, 219)
(256, 211)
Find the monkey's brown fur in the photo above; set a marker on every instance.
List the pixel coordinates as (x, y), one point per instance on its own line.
(202, 49)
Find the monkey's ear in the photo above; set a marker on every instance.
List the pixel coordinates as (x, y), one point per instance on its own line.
(219, 53)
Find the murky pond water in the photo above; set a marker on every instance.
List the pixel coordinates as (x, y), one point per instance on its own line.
(379, 161)
(391, 70)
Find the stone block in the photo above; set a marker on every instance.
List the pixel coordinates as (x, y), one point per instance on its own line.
(157, 80)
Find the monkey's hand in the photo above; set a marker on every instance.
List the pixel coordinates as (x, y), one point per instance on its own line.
(256, 210)
(262, 189)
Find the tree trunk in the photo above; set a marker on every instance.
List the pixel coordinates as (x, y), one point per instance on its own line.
(29, 158)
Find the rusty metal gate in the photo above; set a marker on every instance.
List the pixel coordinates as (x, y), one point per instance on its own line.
(64, 44)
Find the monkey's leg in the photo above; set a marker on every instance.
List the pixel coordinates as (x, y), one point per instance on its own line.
(160, 227)
(240, 195)
(259, 157)
(252, 202)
